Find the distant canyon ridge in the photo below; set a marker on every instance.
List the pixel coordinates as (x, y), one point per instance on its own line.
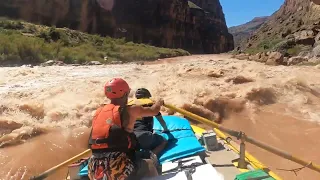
(293, 31)
(198, 26)
(242, 33)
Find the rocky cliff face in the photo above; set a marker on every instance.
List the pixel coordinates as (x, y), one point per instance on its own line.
(293, 29)
(165, 23)
(242, 32)
(213, 29)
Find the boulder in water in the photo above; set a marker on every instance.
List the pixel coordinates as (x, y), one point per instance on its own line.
(242, 56)
(296, 60)
(27, 65)
(48, 63)
(215, 74)
(275, 58)
(314, 60)
(52, 63)
(316, 51)
(255, 57)
(116, 62)
(94, 63)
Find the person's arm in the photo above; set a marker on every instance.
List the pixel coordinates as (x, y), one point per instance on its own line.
(162, 122)
(140, 111)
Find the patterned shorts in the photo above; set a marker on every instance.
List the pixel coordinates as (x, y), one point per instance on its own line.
(110, 166)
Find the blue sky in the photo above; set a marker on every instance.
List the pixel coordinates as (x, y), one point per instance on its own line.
(241, 11)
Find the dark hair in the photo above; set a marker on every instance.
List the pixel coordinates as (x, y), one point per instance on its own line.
(142, 93)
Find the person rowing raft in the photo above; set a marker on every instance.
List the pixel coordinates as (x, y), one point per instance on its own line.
(112, 140)
(143, 127)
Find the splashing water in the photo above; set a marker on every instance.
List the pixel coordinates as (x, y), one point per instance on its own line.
(45, 112)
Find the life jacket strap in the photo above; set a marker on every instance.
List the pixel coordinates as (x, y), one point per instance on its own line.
(99, 141)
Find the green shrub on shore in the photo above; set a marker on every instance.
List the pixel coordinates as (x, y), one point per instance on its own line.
(24, 43)
(264, 46)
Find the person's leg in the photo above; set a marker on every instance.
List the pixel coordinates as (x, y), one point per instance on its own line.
(111, 166)
(152, 142)
(145, 139)
(143, 168)
(158, 144)
(120, 165)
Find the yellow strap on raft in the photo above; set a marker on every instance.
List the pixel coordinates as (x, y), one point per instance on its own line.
(197, 130)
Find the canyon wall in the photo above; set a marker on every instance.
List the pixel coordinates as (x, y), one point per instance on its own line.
(197, 26)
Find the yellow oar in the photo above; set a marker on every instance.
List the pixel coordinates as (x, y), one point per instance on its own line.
(67, 162)
(231, 132)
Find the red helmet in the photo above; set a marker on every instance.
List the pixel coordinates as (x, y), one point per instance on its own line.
(116, 88)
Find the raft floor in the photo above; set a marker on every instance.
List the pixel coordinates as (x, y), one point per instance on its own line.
(223, 161)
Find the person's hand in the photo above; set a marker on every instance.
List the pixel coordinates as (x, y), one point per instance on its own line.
(165, 131)
(161, 102)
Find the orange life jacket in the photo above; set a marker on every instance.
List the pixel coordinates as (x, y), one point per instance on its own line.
(107, 134)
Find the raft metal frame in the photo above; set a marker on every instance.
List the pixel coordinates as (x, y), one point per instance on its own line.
(244, 138)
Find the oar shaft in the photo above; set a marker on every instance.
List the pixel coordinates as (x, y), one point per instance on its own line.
(202, 120)
(248, 139)
(59, 166)
(283, 154)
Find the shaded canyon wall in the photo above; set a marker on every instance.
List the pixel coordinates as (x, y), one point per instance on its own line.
(198, 26)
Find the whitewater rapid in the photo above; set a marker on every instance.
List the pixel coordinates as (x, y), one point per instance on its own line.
(45, 112)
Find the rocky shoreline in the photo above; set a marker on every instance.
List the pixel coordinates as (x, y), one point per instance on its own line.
(61, 63)
(276, 58)
(272, 58)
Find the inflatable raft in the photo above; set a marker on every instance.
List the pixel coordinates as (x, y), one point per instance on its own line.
(193, 153)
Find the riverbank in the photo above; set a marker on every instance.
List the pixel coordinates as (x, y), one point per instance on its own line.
(26, 43)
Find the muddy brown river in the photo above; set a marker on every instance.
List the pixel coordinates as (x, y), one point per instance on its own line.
(45, 111)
